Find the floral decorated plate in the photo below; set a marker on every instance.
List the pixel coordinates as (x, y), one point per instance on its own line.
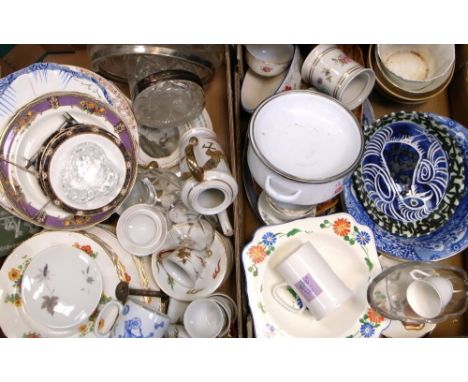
(23, 86)
(14, 320)
(25, 134)
(217, 266)
(61, 287)
(162, 145)
(430, 194)
(347, 247)
(448, 240)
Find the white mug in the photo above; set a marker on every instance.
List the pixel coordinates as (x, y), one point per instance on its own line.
(428, 295)
(209, 187)
(131, 321)
(176, 309)
(310, 276)
(331, 71)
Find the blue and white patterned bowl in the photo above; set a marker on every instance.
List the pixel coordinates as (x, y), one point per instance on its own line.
(445, 242)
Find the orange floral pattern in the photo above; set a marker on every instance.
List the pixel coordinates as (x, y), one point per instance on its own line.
(374, 316)
(257, 254)
(87, 249)
(342, 227)
(14, 274)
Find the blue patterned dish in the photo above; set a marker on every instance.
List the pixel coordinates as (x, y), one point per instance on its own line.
(405, 171)
(386, 208)
(447, 241)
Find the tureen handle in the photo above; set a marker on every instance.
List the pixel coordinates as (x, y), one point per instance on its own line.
(286, 198)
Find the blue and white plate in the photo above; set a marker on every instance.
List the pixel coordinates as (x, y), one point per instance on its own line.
(447, 241)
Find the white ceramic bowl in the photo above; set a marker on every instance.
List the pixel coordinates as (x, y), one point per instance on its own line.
(415, 67)
(142, 229)
(269, 60)
(256, 89)
(302, 145)
(204, 318)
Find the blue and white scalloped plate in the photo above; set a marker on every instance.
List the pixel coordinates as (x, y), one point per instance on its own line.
(447, 241)
(348, 248)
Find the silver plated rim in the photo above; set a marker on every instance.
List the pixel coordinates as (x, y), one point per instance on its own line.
(99, 57)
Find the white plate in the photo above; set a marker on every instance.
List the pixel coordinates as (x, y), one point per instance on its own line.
(25, 85)
(144, 159)
(348, 248)
(13, 319)
(217, 269)
(61, 287)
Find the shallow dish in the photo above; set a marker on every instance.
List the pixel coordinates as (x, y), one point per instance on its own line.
(447, 241)
(23, 86)
(61, 287)
(347, 247)
(13, 318)
(453, 192)
(86, 170)
(24, 136)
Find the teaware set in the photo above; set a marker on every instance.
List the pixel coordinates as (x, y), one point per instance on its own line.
(76, 151)
(402, 176)
(70, 158)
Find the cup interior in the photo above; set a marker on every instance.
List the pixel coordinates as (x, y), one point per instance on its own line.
(256, 88)
(204, 319)
(274, 54)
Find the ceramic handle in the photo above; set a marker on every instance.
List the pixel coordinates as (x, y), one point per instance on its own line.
(99, 318)
(279, 196)
(195, 170)
(415, 272)
(285, 304)
(225, 223)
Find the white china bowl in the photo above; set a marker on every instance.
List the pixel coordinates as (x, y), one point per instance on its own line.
(302, 145)
(416, 67)
(142, 229)
(204, 318)
(269, 60)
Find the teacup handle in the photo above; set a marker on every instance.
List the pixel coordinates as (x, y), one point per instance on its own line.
(286, 198)
(195, 170)
(101, 313)
(225, 223)
(282, 302)
(416, 272)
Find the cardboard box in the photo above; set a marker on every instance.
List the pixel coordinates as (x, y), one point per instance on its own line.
(443, 104)
(219, 103)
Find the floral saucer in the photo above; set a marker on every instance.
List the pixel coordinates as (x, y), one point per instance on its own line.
(217, 265)
(14, 320)
(414, 212)
(61, 287)
(349, 249)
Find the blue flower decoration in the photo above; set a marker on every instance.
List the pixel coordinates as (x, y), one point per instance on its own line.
(363, 238)
(269, 239)
(367, 330)
(125, 310)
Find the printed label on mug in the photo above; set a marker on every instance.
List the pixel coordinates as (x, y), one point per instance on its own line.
(308, 288)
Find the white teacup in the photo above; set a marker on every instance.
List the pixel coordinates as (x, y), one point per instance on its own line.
(269, 60)
(209, 187)
(310, 276)
(205, 318)
(131, 321)
(185, 266)
(428, 295)
(331, 71)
